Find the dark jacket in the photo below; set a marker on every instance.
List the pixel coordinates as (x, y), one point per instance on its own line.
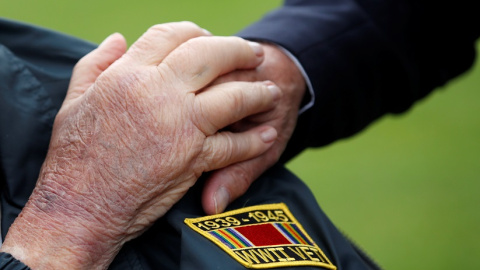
(368, 58)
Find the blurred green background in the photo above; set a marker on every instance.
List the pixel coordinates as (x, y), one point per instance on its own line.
(406, 189)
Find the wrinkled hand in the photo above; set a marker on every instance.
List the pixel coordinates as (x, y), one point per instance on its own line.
(135, 131)
(227, 184)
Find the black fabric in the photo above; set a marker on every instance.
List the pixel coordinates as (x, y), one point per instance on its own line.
(186, 249)
(8, 262)
(367, 58)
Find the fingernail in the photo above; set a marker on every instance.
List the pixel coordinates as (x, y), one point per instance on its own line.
(207, 32)
(268, 135)
(276, 93)
(257, 48)
(220, 199)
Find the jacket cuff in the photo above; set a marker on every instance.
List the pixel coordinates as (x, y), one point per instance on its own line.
(8, 262)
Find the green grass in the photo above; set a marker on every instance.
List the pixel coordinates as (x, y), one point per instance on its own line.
(94, 20)
(406, 189)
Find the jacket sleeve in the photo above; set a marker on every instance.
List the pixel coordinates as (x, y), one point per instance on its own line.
(8, 262)
(367, 58)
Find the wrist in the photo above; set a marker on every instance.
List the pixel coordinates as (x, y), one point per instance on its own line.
(53, 231)
(49, 244)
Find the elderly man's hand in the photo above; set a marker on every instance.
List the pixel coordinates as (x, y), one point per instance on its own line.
(127, 145)
(227, 184)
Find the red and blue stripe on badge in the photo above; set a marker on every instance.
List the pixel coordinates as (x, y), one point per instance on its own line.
(261, 235)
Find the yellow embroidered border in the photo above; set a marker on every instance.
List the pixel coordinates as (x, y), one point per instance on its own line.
(261, 237)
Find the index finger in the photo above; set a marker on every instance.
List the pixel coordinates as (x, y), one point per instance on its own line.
(199, 61)
(224, 104)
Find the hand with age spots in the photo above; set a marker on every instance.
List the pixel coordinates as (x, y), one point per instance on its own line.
(135, 131)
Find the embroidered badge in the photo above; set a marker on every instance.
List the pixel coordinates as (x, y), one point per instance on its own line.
(263, 236)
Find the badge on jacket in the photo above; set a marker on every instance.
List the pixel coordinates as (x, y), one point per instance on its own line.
(261, 237)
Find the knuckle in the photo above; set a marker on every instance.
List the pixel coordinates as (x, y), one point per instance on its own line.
(207, 156)
(187, 46)
(230, 147)
(233, 146)
(189, 24)
(172, 31)
(165, 30)
(201, 120)
(190, 53)
(165, 27)
(167, 66)
(195, 43)
(119, 81)
(237, 99)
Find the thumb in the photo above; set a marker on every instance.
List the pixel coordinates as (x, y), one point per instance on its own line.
(88, 69)
(227, 184)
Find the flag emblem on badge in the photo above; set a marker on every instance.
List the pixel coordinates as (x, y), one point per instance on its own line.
(263, 236)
